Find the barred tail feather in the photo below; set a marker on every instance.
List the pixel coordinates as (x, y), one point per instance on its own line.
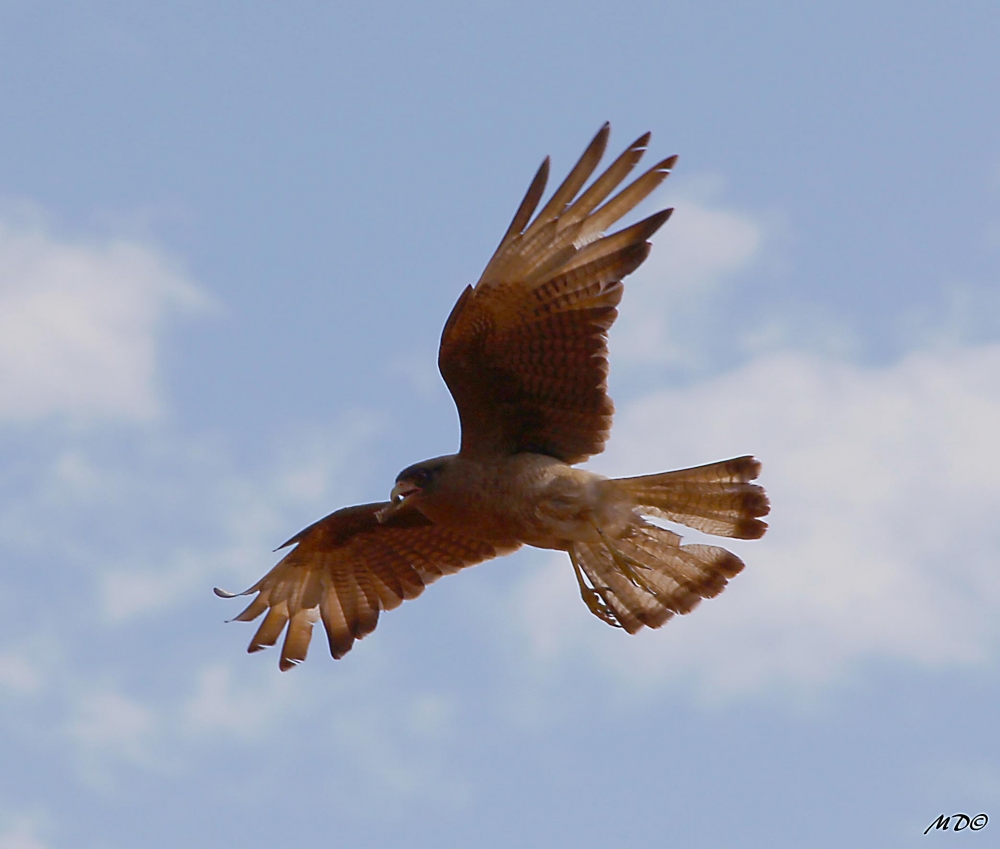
(716, 499)
(645, 576)
(642, 575)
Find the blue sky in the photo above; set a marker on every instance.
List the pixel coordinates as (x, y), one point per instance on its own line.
(230, 234)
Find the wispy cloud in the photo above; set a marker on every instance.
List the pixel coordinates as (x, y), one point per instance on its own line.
(885, 484)
(705, 245)
(78, 324)
(21, 833)
(108, 728)
(18, 673)
(220, 705)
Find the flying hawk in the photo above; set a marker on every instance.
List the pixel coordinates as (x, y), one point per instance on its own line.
(524, 353)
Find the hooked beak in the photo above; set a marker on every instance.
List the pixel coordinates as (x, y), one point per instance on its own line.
(399, 496)
(401, 491)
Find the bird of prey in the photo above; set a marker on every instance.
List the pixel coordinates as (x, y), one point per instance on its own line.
(524, 354)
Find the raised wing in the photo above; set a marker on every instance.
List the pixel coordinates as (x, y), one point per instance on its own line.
(524, 351)
(346, 568)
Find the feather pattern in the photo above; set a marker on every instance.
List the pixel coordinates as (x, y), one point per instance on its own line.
(660, 577)
(717, 498)
(347, 568)
(524, 352)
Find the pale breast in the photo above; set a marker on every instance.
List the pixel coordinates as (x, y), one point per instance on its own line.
(531, 498)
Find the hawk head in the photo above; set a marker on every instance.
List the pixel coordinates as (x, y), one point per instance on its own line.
(416, 480)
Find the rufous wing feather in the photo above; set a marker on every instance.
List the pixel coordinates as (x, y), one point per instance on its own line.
(345, 569)
(524, 352)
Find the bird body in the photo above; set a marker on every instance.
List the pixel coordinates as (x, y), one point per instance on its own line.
(533, 498)
(524, 354)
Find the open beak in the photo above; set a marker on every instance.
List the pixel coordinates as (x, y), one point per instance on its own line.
(401, 491)
(399, 496)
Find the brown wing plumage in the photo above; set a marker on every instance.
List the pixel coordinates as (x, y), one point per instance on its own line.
(524, 351)
(348, 567)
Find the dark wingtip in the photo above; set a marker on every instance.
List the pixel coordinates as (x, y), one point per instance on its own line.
(600, 140)
(655, 222)
(750, 529)
(746, 468)
(755, 502)
(224, 593)
(730, 565)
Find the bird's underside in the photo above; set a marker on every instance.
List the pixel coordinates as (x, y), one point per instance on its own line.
(524, 354)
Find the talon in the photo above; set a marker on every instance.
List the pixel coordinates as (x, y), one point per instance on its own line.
(627, 565)
(594, 597)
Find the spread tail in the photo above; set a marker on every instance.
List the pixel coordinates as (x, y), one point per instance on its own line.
(643, 575)
(715, 499)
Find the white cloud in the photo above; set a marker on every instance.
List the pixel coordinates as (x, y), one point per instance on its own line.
(396, 744)
(19, 673)
(250, 512)
(130, 592)
(432, 716)
(22, 834)
(701, 246)
(107, 724)
(884, 544)
(78, 325)
(220, 705)
(401, 745)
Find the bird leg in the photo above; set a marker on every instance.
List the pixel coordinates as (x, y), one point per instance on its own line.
(593, 597)
(627, 565)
